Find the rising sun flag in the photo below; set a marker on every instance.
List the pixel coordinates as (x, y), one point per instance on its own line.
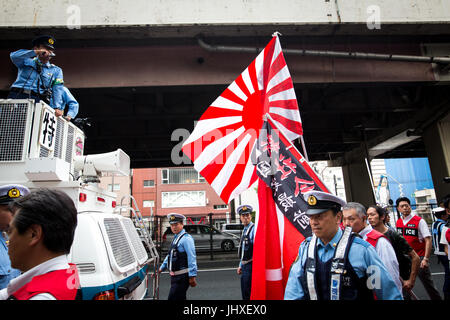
(227, 149)
(225, 136)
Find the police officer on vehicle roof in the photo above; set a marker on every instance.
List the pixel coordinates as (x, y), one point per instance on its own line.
(37, 78)
(8, 193)
(181, 260)
(246, 250)
(336, 264)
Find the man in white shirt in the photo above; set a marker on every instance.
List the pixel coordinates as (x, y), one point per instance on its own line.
(355, 216)
(40, 236)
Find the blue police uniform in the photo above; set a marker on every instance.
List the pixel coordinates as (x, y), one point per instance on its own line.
(246, 257)
(7, 194)
(364, 262)
(181, 261)
(439, 249)
(70, 101)
(6, 272)
(246, 253)
(340, 269)
(28, 79)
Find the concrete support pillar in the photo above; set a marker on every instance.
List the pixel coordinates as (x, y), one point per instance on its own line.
(437, 144)
(358, 184)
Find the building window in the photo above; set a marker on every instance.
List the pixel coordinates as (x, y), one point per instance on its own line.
(115, 187)
(148, 203)
(179, 199)
(149, 183)
(220, 206)
(181, 176)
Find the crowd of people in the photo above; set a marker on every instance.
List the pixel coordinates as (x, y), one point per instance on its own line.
(367, 247)
(353, 252)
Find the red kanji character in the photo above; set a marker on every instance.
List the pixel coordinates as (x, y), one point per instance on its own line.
(290, 167)
(303, 186)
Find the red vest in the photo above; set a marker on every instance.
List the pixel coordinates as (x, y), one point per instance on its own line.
(62, 284)
(411, 234)
(373, 236)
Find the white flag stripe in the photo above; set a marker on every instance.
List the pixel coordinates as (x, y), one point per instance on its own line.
(215, 148)
(286, 113)
(280, 217)
(248, 81)
(203, 127)
(287, 133)
(225, 173)
(282, 75)
(246, 177)
(259, 66)
(274, 274)
(288, 94)
(222, 102)
(237, 91)
(276, 50)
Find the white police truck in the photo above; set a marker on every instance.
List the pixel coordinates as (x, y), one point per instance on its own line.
(38, 149)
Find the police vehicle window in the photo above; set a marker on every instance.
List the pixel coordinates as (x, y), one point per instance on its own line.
(168, 231)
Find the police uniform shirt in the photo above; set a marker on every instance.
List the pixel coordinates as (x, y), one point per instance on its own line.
(70, 101)
(28, 77)
(386, 253)
(361, 256)
(187, 245)
(251, 236)
(5, 263)
(436, 232)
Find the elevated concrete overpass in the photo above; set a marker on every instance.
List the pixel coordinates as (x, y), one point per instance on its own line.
(139, 72)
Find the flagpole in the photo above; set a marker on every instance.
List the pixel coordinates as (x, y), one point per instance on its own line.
(302, 142)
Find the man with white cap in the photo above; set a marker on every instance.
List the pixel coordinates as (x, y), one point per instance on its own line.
(336, 264)
(8, 193)
(437, 229)
(246, 250)
(181, 260)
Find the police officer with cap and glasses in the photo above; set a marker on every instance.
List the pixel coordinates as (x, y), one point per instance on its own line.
(8, 193)
(181, 260)
(37, 78)
(336, 264)
(246, 250)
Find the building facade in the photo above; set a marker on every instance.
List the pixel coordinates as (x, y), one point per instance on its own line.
(160, 191)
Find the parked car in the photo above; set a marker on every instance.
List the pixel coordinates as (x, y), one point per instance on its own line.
(234, 228)
(201, 234)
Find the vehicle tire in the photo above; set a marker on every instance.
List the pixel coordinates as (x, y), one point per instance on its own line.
(227, 245)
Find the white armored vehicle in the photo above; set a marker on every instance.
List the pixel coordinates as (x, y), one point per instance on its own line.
(38, 149)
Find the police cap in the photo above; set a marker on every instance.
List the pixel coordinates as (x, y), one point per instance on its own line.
(439, 211)
(244, 209)
(175, 217)
(319, 202)
(11, 192)
(45, 40)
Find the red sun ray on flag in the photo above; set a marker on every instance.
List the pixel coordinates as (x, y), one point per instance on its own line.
(225, 136)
